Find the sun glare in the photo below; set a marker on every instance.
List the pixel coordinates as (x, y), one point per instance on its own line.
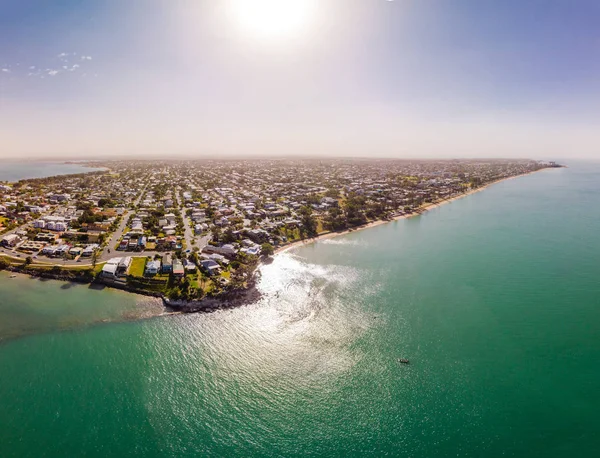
(272, 19)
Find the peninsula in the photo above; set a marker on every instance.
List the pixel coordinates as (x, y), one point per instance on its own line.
(194, 231)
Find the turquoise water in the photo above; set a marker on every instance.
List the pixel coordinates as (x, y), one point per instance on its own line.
(31, 306)
(495, 298)
(15, 171)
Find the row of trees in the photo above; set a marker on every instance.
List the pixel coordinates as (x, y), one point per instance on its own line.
(355, 211)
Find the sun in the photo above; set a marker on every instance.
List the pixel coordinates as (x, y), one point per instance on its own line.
(272, 20)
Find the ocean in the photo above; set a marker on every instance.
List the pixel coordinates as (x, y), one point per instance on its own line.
(14, 171)
(494, 298)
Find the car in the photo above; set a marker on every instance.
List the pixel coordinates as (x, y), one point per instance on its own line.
(188, 251)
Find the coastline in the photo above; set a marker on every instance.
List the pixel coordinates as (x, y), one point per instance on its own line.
(84, 166)
(419, 212)
(251, 293)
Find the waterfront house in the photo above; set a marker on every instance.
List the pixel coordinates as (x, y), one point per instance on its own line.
(153, 267)
(178, 270)
(167, 266)
(124, 265)
(210, 267)
(110, 269)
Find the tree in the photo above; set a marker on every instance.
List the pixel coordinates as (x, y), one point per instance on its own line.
(28, 260)
(228, 236)
(333, 193)
(309, 223)
(267, 249)
(335, 220)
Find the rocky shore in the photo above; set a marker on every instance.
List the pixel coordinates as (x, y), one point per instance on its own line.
(232, 299)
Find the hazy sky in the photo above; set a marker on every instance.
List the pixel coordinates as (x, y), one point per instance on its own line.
(403, 78)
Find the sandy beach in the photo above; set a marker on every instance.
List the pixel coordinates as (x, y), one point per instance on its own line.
(420, 211)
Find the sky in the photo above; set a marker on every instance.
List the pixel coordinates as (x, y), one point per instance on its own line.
(247, 78)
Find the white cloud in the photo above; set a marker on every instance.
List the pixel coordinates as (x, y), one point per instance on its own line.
(35, 71)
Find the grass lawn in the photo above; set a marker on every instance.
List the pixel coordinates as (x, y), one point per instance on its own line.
(137, 267)
(320, 228)
(12, 260)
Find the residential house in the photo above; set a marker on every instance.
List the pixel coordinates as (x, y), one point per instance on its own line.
(153, 267)
(167, 266)
(189, 266)
(88, 251)
(116, 267)
(178, 270)
(226, 250)
(210, 267)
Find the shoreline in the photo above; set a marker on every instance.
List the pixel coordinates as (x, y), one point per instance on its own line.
(250, 294)
(95, 169)
(418, 212)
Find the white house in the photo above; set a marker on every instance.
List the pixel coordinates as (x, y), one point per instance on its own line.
(89, 250)
(227, 250)
(153, 267)
(116, 266)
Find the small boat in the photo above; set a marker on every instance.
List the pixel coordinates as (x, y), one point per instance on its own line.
(13, 276)
(403, 361)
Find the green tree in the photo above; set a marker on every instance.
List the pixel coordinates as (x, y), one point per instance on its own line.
(309, 222)
(267, 249)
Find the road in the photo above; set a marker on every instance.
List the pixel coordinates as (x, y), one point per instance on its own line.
(109, 250)
(189, 236)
